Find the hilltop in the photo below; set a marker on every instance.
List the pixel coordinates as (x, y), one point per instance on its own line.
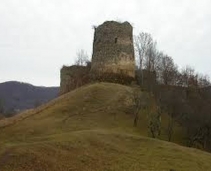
(91, 128)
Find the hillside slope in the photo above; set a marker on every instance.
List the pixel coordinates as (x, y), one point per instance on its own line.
(17, 96)
(90, 129)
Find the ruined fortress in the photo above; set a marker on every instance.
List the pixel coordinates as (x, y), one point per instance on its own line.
(112, 58)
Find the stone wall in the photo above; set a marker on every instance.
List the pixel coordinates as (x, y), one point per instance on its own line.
(113, 52)
(72, 77)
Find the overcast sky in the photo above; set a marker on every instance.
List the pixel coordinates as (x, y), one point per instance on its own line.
(37, 37)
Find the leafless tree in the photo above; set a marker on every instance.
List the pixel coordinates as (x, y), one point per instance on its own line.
(170, 127)
(188, 76)
(142, 43)
(150, 59)
(146, 53)
(154, 124)
(137, 106)
(140, 101)
(203, 80)
(81, 58)
(166, 70)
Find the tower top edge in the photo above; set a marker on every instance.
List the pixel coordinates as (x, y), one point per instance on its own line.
(115, 23)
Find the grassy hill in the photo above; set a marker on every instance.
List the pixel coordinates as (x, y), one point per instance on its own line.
(88, 129)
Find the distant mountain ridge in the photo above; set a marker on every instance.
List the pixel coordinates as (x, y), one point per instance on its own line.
(17, 96)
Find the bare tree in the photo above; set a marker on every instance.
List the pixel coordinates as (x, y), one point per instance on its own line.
(154, 124)
(170, 127)
(137, 106)
(140, 101)
(203, 80)
(150, 59)
(146, 54)
(82, 58)
(167, 70)
(188, 76)
(142, 43)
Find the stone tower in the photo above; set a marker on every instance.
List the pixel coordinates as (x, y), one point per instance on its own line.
(112, 59)
(113, 52)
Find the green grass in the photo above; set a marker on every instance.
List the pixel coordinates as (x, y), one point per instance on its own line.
(91, 129)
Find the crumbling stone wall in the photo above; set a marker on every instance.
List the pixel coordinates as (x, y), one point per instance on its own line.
(72, 77)
(113, 52)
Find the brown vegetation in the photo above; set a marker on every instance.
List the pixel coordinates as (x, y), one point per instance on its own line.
(183, 94)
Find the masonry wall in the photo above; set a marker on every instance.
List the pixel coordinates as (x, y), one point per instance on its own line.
(72, 77)
(113, 52)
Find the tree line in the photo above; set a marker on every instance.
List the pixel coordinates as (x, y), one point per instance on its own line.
(150, 59)
(183, 94)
